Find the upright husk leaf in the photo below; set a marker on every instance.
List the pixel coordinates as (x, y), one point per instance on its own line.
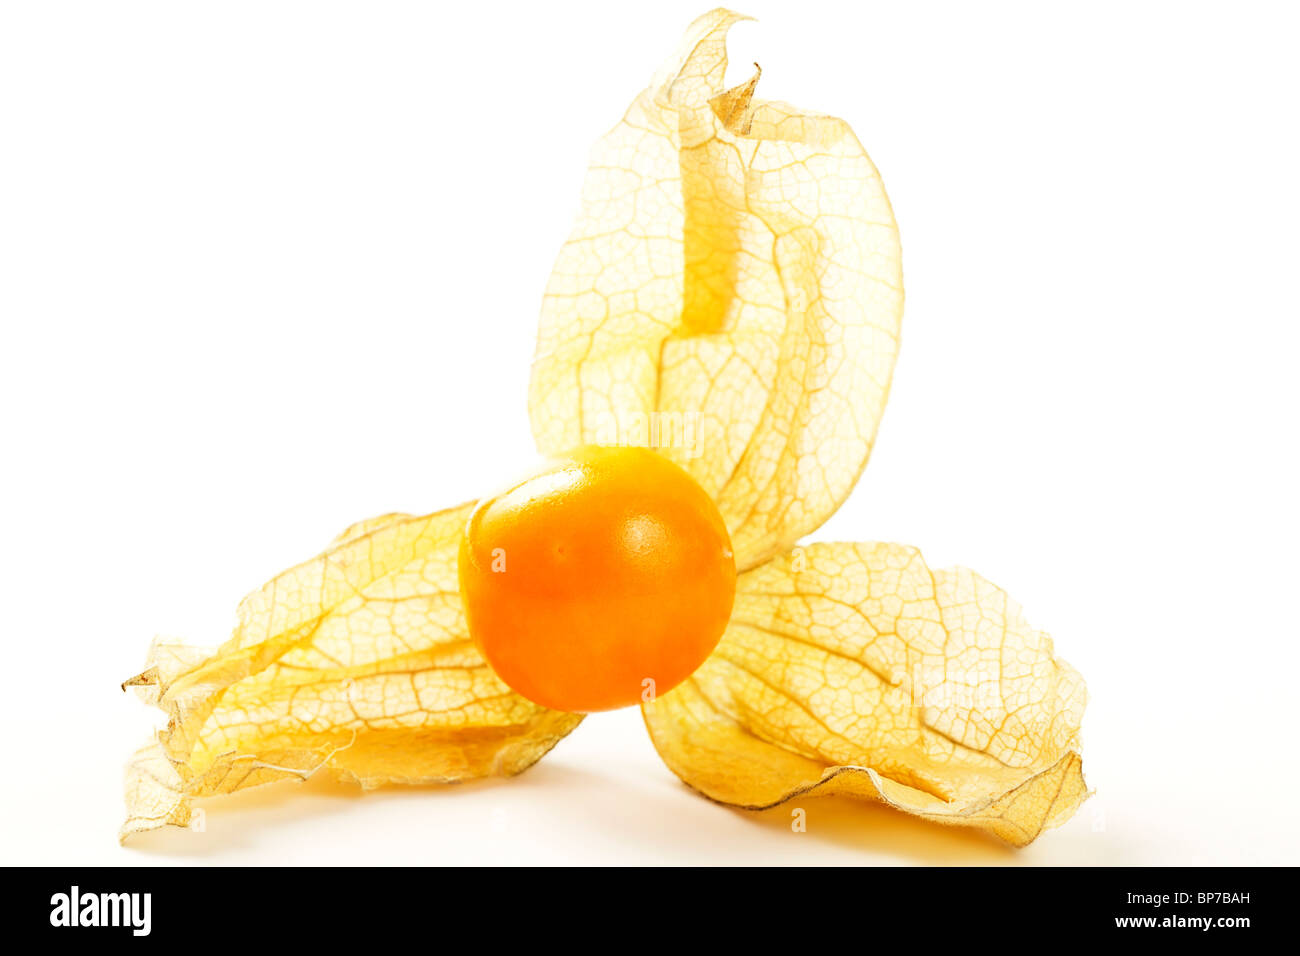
(854, 669)
(731, 293)
(357, 663)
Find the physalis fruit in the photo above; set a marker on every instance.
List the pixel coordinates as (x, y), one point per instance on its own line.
(599, 582)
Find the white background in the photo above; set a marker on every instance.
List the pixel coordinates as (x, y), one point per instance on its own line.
(270, 268)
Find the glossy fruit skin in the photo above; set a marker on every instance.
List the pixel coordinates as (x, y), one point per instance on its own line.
(605, 570)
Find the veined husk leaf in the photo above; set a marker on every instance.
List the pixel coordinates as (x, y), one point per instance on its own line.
(731, 293)
(357, 663)
(854, 669)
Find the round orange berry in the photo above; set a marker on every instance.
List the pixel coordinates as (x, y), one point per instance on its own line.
(600, 581)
